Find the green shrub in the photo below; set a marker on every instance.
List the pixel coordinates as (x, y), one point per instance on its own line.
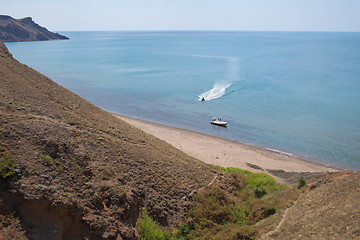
(259, 191)
(211, 204)
(186, 228)
(301, 182)
(270, 211)
(150, 230)
(231, 209)
(7, 168)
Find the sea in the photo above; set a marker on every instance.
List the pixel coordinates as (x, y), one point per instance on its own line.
(296, 93)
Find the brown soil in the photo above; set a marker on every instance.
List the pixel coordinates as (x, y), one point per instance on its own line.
(327, 209)
(82, 173)
(71, 153)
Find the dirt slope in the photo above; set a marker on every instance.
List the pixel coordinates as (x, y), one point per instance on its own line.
(327, 209)
(70, 170)
(80, 162)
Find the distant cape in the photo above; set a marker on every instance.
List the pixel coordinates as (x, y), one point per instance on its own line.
(24, 29)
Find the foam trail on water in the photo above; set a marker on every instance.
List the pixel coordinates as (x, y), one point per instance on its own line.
(217, 91)
(219, 88)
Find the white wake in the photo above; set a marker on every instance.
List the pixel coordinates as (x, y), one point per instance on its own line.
(219, 88)
(217, 91)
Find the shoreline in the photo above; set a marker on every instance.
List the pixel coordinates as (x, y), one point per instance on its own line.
(226, 152)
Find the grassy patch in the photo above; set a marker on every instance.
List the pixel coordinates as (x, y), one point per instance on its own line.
(253, 180)
(150, 230)
(231, 211)
(218, 215)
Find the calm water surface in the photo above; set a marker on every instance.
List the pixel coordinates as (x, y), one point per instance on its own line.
(297, 92)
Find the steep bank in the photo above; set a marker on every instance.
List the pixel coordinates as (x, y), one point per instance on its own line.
(70, 153)
(24, 29)
(327, 209)
(69, 170)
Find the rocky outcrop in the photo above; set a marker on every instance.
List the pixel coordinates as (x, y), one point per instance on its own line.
(24, 29)
(4, 52)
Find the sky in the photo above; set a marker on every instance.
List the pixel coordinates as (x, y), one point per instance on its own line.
(243, 15)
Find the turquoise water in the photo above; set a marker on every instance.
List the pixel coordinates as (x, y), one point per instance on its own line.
(297, 92)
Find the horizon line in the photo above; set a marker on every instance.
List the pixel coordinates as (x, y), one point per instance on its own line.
(213, 30)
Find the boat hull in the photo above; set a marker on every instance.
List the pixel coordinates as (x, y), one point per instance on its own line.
(219, 123)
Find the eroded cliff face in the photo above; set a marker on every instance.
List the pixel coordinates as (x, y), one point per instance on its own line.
(69, 170)
(42, 220)
(76, 170)
(25, 29)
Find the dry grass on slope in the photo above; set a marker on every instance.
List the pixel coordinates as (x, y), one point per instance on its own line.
(70, 170)
(327, 209)
(71, 153)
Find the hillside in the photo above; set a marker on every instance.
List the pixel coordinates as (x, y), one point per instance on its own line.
(326, 209)
(24, 29)
(73, 156)
(70, 170)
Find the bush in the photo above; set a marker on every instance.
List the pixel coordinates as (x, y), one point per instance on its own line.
(231, 209)
(211, 207)
(186, 228)
(301, 182)
(259, 191)
(7, 168)
(150, 230)
(270, 211)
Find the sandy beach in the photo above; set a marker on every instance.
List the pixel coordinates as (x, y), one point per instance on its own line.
(226, 153)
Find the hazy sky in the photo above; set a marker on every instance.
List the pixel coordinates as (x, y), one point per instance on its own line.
(281, 15)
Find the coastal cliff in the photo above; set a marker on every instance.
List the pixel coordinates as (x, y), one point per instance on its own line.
(69, 170)
(24, 29)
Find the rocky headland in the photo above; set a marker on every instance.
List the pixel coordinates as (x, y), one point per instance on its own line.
(24, 29)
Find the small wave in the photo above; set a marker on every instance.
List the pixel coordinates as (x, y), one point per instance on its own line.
(280, 152)
(217, 91)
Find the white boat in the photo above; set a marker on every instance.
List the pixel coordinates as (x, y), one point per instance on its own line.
(218, 121)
